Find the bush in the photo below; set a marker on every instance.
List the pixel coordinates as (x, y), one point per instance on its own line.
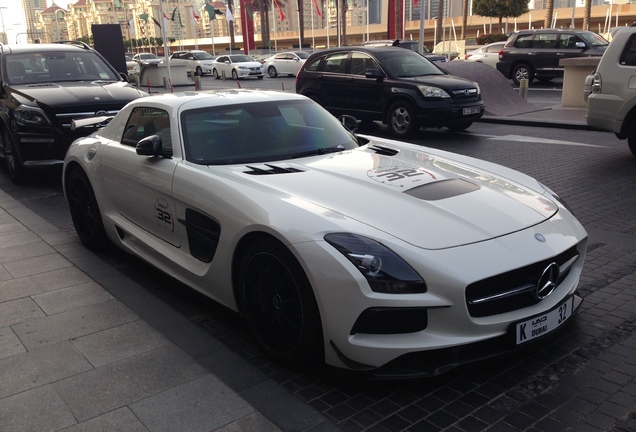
(490, 38)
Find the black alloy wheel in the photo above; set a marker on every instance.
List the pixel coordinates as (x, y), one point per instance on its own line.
(14, 166)
(85, 213)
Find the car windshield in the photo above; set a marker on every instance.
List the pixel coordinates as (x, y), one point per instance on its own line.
(241, 58)
(56, 66)
(594, 39)
(302, 55)
(261, 132)
(148, 57)
(407, 64)
(203, 56)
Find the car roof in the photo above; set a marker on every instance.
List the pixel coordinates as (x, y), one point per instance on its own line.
(363, 48)
(551, 30)
(201, 99)
(28, 48)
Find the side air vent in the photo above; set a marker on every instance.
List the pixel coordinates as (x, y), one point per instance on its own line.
(385, 151)
(272, 170)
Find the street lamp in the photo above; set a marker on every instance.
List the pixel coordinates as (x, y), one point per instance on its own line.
(4, 33)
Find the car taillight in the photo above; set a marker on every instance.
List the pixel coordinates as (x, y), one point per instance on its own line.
(466, 56)
(500, 54)
(596, 83)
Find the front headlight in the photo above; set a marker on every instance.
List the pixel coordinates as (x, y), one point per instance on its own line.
(244, 68)
(433, 92)
(385, 271)
(31, 116)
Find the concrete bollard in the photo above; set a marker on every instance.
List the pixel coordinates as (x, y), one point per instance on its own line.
(197, 82)
(223, 75)
(137, 81)
(523, 88)
(165, 83)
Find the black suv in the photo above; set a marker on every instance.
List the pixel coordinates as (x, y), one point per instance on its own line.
(43, 88)
(536, 53)
(411, 45)
(394, 85)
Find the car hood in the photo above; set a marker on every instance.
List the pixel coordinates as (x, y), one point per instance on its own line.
(442, 81)
(424, 199)
(78, 93)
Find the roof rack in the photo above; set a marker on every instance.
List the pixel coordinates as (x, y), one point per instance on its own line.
(76, 43)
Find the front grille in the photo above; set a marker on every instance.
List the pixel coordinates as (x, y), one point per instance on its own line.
(465, 94)
(515, 289)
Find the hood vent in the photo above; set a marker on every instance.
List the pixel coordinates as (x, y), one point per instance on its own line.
(384, 151)
(442, 189)
(272, 170)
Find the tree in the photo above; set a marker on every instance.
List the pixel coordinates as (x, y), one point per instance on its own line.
(549, 9)
(500, 8)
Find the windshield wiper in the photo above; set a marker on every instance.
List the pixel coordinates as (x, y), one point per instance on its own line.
(319, 151)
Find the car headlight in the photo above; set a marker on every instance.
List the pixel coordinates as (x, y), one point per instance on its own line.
(244, 67)
(385, 271)
(433, 92)
(31, 116)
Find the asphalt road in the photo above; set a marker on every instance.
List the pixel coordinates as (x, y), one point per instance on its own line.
(581, 379)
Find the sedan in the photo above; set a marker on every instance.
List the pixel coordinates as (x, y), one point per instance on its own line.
(246, 196)
(238, 66)
(147, 58)
(285, 63)
(488, 54)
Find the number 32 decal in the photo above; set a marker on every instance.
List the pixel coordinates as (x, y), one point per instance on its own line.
(163, 214)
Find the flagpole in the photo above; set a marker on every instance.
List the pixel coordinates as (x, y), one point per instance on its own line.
(300, 42)
(274, 22)
(165, 44)
(313, 40)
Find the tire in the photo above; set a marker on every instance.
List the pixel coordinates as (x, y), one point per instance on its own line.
(85, 213)
(458, 127)
(278, 304)
(544, 79)
(215, 74)
(401, 120)
(521, 71)
(235, 76)
(12, 160)
(631, 137)
(271, 71)
(198, 71)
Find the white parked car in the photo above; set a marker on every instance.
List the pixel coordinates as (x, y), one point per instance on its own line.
(147, 58)
(196, 61)
(285, 63)
(487, 54)
(237, 66)
(132, 67)
(371, 255)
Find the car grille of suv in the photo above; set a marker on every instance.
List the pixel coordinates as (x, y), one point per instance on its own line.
(465, 94)
(515, 289)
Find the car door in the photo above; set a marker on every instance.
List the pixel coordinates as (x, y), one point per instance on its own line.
(140, 187)
(546, 53)
(285, 63)
(365, 96)
(571, 45)
(222, 67)
(334, 89)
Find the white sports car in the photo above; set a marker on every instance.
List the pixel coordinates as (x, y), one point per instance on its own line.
(368, 254)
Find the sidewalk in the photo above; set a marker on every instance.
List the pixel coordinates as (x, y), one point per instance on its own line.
(84, 348)
(554, 116)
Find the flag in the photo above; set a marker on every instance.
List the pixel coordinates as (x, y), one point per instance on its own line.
(194, 15)
(144, 17)
(249, 12)
(131, 26)
(228, 15)
(212, 13)
(282, 15)
(174, 11)
(156, 22)
(414, 3)
(318, 10)
(166, 21)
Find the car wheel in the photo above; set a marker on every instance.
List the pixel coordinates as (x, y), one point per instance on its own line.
(235, 76)
(278, 304)
(631, 137)
(401, 120)
(458, 127)
(215, 74)
(522, 71)
(544, 79)
(272, 72)
(85, 213)
(198, 71)
(15, 169)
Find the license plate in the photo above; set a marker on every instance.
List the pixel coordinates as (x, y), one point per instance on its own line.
(541, 325)
(473, 110)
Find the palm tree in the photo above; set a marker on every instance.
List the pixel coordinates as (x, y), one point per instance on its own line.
(440, 19)
(549, 9)
(464, 19)
(587, 13)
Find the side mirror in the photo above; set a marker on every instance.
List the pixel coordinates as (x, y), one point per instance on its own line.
(349, 122)
(149, 146)
(580, 45)
(374, 74)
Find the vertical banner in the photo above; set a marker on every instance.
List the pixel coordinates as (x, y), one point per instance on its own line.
(247, 24)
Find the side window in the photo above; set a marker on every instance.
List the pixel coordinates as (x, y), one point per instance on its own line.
(628, 56)
(544, 41)
(146, 121)
(568, 41)
(336, 63)
(313, 66)
(360, 62)
(524, 41)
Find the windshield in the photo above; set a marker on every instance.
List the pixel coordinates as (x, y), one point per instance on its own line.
(261, 132)
(594, 39)
(407, 64)
(148, 56)
(302, 55)
(203, 56)
(58, 66)
(241, 58)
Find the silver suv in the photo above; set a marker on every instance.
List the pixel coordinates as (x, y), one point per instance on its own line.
(196, 61)
(611, 104)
